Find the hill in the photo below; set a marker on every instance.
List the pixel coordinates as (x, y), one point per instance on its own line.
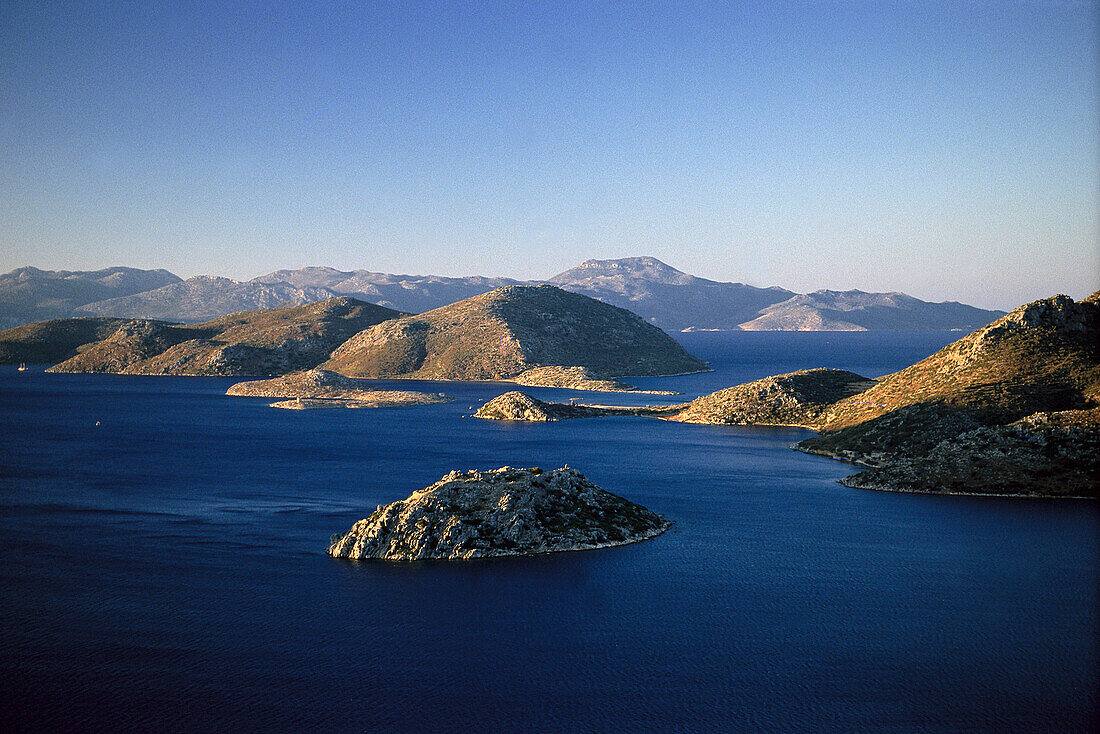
(29, 294)
(50, 342)
(501, 512)
(508, 331)
(202, 298)
(667, 297)
(664, 296)
(797, 398)
(263, 342)
(858, 311)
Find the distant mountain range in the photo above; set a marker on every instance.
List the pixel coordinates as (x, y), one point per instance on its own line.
(659, 293)
(29, 294)
(261, 342)
(408, 293)
(203, 298)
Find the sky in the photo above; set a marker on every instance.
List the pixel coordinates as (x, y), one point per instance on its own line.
(947, 150)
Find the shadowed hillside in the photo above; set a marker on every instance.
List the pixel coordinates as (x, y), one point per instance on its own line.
(265, 342)
(50, 342)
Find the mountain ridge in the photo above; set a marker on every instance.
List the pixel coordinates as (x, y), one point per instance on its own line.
(669, 298)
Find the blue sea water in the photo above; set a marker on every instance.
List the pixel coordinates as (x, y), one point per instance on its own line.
(163, 567)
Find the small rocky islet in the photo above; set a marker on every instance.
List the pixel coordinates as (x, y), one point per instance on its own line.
(501, 512)
(319, 388)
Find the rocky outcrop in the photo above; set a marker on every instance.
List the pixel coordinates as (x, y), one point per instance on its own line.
(508, 331)
(518, 406)
(324, 389)
(314, 383)
(371, 399)
(794, 399)
(503, 512)
(1046, 454)
(266, 342)
(50, 342)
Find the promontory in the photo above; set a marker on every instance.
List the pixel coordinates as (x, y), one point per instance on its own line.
(501, 512)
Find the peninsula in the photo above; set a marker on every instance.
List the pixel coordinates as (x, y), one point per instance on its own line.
(502, 512)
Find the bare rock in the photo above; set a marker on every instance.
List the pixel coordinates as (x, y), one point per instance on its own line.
(502, 512)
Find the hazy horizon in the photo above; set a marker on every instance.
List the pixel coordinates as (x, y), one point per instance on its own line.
(951, 152)
(185, 276)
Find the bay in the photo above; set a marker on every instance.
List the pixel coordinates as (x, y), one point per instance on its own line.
(163, 566)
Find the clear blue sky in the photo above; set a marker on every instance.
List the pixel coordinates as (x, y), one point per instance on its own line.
(948, 150)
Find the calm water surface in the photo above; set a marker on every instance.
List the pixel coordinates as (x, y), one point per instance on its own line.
(165, 569)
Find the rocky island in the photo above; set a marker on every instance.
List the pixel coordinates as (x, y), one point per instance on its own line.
(502, 512)
(519, 406)
(325, 389)
(508, 331)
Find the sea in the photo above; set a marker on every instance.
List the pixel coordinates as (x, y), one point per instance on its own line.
(162, 552)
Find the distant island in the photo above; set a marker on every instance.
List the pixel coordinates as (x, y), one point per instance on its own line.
(205, 297)
(577, 378)
(662, 295)
(29, 294)
(502, 512)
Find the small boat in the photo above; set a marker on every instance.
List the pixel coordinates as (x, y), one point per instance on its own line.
(22, 366)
